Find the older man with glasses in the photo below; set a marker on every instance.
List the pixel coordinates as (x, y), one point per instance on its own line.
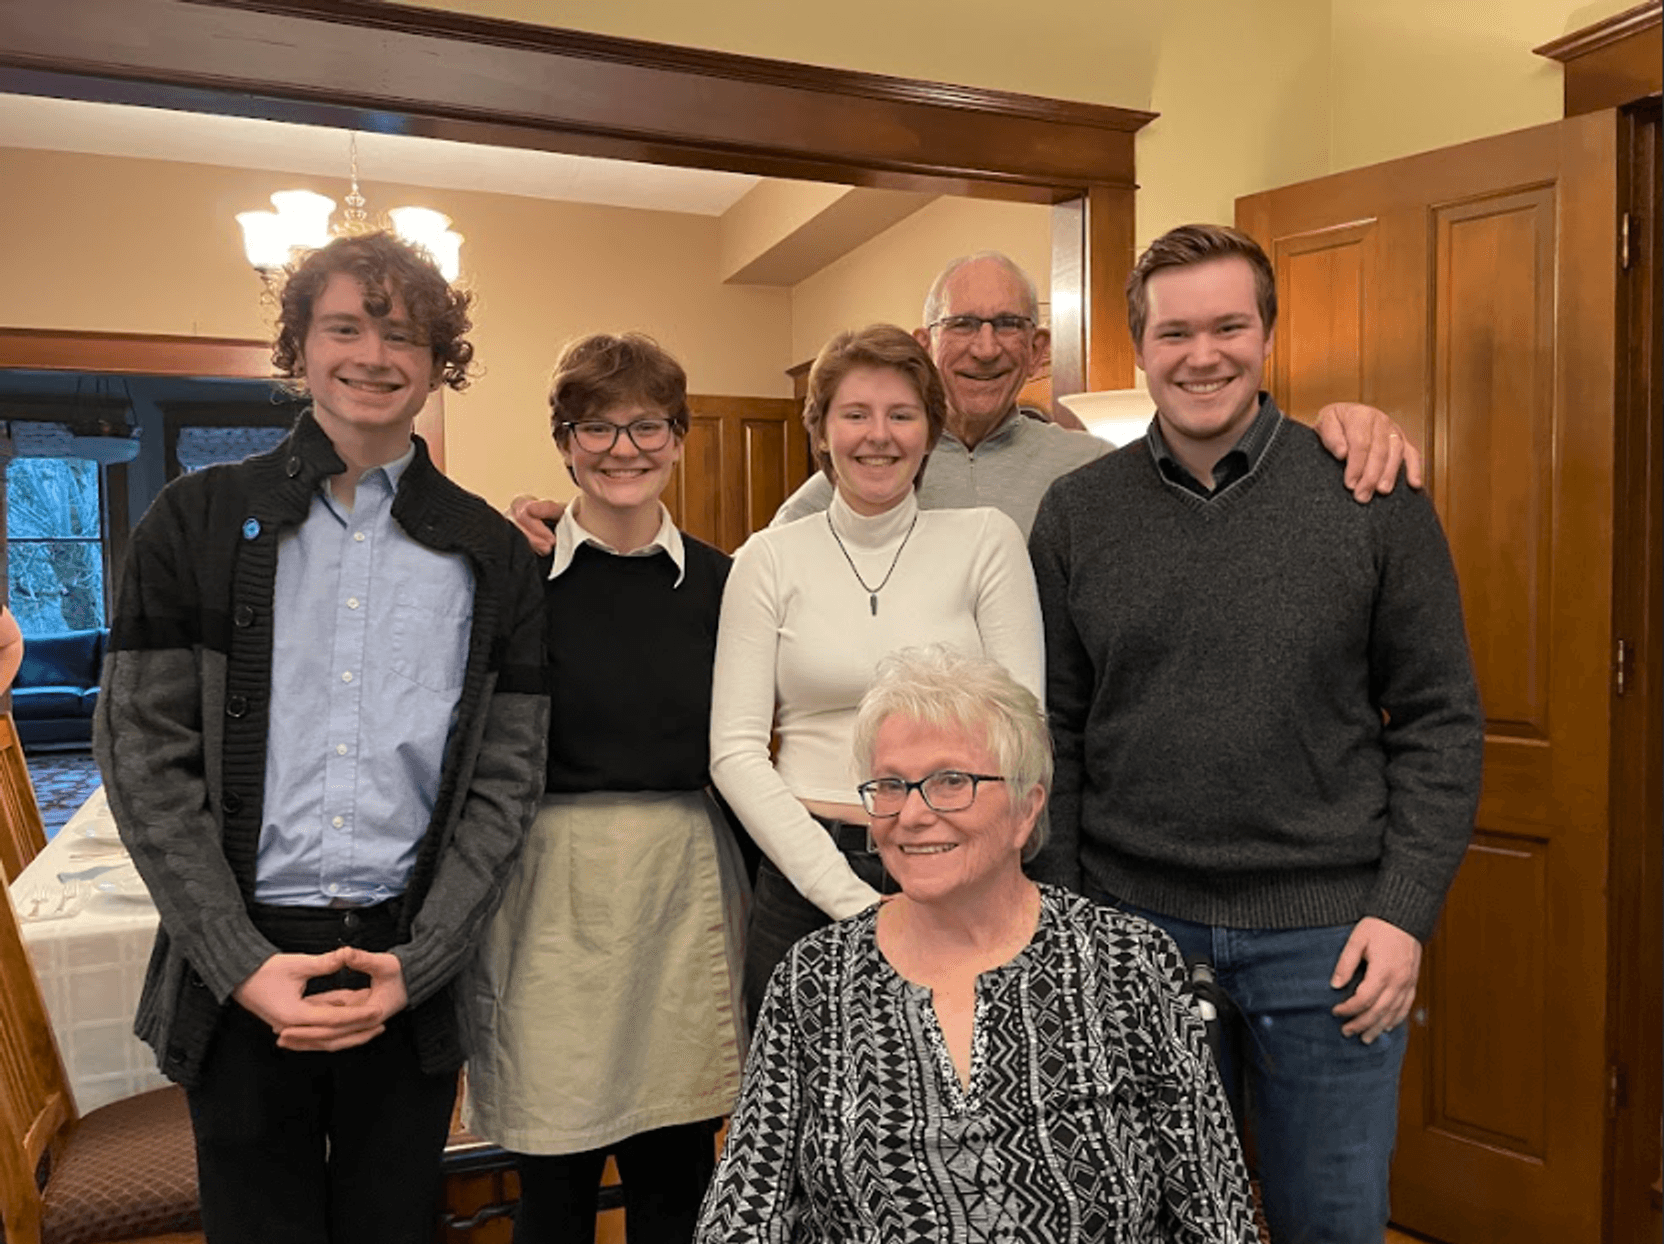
(982, 328)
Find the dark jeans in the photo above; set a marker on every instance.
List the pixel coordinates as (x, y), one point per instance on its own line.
(302, 1147)
(664, 1172)
(780, 915)
(1322, 1108)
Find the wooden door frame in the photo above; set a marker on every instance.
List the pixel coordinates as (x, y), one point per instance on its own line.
(1635, 1175)
(1615, 63)
(366, 64)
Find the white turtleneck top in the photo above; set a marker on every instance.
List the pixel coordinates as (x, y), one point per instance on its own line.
(799, 642)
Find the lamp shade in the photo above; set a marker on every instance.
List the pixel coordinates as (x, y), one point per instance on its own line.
(431, 230)
(265, 239)
(1119, 416)
(104, 450)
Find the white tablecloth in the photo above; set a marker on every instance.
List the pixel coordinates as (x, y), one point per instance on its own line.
(91, 966)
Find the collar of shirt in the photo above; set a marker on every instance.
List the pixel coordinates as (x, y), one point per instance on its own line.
(1238, 461)
(391, 471)
(570, 533)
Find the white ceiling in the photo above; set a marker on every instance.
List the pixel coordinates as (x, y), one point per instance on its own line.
(196, 138)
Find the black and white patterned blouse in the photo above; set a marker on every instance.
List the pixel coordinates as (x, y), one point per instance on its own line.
(1093, 1112)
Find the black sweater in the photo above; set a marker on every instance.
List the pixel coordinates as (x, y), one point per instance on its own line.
(632, 663)
(1262, 702)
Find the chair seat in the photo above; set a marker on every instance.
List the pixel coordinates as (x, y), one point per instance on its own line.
(100, 1192)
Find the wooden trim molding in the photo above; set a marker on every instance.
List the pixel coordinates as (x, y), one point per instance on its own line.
(1612, 62)
(367, 65)
(136, 354)
(361, 64)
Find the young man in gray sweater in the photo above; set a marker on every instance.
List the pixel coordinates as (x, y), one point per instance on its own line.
(1268, 735)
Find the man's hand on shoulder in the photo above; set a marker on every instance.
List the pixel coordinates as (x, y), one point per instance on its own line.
(1372, 445)
(1391, 960)
(536, 517)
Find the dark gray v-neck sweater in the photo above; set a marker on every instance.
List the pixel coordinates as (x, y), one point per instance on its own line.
(1262, 702)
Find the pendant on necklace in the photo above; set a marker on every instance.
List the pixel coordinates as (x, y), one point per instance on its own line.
(872, 599)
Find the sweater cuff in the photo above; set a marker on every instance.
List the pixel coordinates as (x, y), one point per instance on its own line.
(231, 951)
(1406, 903)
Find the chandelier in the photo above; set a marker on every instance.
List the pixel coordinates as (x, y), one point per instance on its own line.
(301, 221)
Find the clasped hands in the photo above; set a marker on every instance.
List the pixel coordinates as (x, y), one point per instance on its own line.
(335, 1019)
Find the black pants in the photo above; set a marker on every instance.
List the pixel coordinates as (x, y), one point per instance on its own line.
(780, 916)
(302, 1147)
(664, 1172)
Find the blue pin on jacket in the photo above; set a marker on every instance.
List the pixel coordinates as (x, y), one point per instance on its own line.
(251, 528)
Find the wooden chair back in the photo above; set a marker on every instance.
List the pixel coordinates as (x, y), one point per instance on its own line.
(22, 832)
(35, 1100)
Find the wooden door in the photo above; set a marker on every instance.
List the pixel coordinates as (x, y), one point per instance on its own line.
(741, 458)
(1471, 293)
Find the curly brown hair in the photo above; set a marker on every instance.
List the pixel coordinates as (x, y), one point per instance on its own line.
(385, 265)
(596, 373)
(877, 345)
(1193, 244)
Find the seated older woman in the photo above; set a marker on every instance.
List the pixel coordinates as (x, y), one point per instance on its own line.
(980, 1058)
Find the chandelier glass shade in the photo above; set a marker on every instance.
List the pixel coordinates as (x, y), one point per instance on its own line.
(301, 221)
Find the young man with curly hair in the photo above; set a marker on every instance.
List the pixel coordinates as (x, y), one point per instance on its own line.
(322, 730)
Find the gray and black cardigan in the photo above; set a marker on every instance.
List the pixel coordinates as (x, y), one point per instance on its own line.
(181, 727)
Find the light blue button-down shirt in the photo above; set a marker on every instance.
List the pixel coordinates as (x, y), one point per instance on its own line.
(367, 666)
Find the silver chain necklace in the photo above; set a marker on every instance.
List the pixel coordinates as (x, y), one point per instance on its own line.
(872, 592)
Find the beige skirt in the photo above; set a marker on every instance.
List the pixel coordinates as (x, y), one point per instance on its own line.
(605, 999)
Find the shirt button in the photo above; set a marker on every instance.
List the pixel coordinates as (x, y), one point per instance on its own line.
(347, 676)
(340, 749)
(352, 602)
(359, 536)
(337, 822)
(244, 616)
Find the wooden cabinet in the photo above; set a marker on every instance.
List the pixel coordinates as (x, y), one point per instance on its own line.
(741, 458)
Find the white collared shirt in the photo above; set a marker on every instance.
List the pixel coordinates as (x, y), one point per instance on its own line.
(570, 533)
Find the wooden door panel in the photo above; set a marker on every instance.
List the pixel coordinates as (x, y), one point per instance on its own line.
(1493, 410)
(1490, 1087)
(1471, 293)
(697, 482)
(764, 453)
(743, 457)
(1326, 279)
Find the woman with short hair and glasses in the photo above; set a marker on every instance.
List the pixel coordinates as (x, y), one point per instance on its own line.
(812, 607)
(607, 1000)
(981, 1058)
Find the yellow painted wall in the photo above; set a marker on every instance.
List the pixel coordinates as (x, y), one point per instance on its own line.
(98, 243)
(1252, 95)
(1413, 75)
(1097, 50)
(887, 278)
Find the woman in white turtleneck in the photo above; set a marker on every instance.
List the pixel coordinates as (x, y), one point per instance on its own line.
(812, 606)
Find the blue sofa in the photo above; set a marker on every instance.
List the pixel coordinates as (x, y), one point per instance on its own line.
(57, 687)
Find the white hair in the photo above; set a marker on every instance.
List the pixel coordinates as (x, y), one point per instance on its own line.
(943, 687)
(934, 300)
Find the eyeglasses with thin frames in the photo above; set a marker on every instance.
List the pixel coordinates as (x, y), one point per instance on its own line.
(1007, 327)
(946, 790)
(598, 436)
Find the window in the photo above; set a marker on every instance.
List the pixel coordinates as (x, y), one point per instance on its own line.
(54, 540)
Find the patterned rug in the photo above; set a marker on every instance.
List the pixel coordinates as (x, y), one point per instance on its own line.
(63, 780)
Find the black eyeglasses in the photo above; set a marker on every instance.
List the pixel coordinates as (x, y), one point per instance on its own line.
(946, 790)
(1006, 326)
(598, 436)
